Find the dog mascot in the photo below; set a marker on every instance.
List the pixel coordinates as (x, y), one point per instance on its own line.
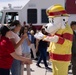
(60, 39)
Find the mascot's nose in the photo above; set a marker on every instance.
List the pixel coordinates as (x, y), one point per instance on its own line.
(46, 27)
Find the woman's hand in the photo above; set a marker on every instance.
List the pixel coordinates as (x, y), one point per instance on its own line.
(27, 61)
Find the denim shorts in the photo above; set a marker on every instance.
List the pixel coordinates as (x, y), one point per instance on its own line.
(16, 67)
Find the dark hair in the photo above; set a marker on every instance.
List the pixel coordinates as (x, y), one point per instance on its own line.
(15, 23)
(73, 23)
(26, 27)
(24, 22)
(43, 31)
(22, 30)
(4, 30)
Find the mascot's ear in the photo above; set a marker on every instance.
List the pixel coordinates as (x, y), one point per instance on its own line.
(64, 21)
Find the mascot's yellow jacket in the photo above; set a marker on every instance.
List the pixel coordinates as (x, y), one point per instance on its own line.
(61, 51)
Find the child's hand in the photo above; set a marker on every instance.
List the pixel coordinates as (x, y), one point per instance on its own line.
(25, 36)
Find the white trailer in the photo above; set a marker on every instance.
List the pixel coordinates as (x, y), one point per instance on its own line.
(33, 12)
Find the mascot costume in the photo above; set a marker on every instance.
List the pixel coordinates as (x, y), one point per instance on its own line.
(60, 38)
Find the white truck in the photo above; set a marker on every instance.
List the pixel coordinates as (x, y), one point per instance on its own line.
(33, 12)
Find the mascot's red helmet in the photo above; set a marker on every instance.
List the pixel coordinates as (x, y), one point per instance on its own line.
(56, 10)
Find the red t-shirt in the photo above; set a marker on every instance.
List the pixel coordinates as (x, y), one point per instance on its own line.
(6, 48)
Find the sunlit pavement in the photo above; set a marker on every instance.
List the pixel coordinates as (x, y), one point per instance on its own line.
(41, 71)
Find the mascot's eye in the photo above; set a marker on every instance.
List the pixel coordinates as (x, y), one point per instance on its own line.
(63, 19)
(52, 20)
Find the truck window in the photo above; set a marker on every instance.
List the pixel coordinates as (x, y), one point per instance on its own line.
(1, 14)
(32, 15)
(44, 18)
(11, 16)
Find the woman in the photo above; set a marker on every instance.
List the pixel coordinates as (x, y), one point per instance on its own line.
(42, 47)
(17, 41)
(7, 52)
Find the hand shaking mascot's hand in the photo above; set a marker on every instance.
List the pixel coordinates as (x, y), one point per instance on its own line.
(60, 39)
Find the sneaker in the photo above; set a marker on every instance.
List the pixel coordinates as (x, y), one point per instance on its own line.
(36, 59)
(38, 65)
(48, 68)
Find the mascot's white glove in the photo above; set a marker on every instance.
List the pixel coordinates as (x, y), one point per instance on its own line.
(39, 35)
(52, 38)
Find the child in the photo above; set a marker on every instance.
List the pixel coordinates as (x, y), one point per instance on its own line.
(26, 49)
